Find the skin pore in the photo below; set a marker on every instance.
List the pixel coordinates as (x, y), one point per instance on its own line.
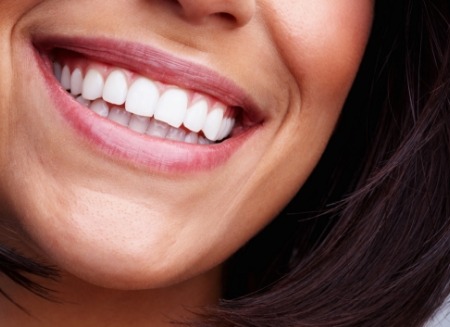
(141, 243)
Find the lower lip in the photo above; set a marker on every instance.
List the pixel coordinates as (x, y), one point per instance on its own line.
(121, 143)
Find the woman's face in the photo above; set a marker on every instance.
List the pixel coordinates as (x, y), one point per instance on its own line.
(205, 117)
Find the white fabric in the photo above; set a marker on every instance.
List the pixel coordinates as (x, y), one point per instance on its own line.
(442, 317)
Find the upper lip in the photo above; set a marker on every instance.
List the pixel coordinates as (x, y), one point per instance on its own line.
(158, 65)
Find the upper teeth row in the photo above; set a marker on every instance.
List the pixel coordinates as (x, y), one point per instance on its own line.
(143, 97)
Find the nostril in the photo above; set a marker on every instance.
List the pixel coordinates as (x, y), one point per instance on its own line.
(226, 16)
(175, 4)
(238, 12)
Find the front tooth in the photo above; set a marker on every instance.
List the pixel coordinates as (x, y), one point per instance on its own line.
(100, 107)
(196, 116)
(158, 129)
(57, 70)
(142, 97)
(139, 123)
(171, 107)
(119, 116)
(93, 85)
(116, 88)
(213, 123)
(76, 82)
(65, 78)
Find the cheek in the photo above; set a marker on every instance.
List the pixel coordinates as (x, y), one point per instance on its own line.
(322, 43)
(10, 13)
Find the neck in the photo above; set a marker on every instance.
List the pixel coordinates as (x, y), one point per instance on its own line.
(83, 304)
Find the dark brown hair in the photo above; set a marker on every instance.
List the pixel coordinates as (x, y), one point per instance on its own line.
(366, 242)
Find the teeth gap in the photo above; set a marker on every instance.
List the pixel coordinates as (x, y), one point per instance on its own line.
(145, 106)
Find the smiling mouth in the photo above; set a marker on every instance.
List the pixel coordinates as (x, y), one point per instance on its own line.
(144, 105)
(137, 103)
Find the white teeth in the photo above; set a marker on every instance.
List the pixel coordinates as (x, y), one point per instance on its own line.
(76, 82)
(171, 107)
(138, 123)
(213, 123)
(142, 97)
(93, 85)
(196, 116)
(158, 129)
(109, 96)
(119, 116)
(116, 88)
(222, 128)
(57, 70)
(100, 107)
(225, 128)
(65, 78)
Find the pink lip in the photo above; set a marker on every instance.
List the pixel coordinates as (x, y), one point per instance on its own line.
(123, 144)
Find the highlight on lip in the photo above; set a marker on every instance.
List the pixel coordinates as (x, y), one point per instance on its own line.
(143, 105)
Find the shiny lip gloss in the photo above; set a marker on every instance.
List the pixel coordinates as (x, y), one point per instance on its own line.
(126, 145)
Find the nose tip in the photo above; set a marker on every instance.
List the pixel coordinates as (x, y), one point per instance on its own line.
(239, 12)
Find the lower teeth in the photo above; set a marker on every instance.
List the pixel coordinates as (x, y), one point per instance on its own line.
(142, 125)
